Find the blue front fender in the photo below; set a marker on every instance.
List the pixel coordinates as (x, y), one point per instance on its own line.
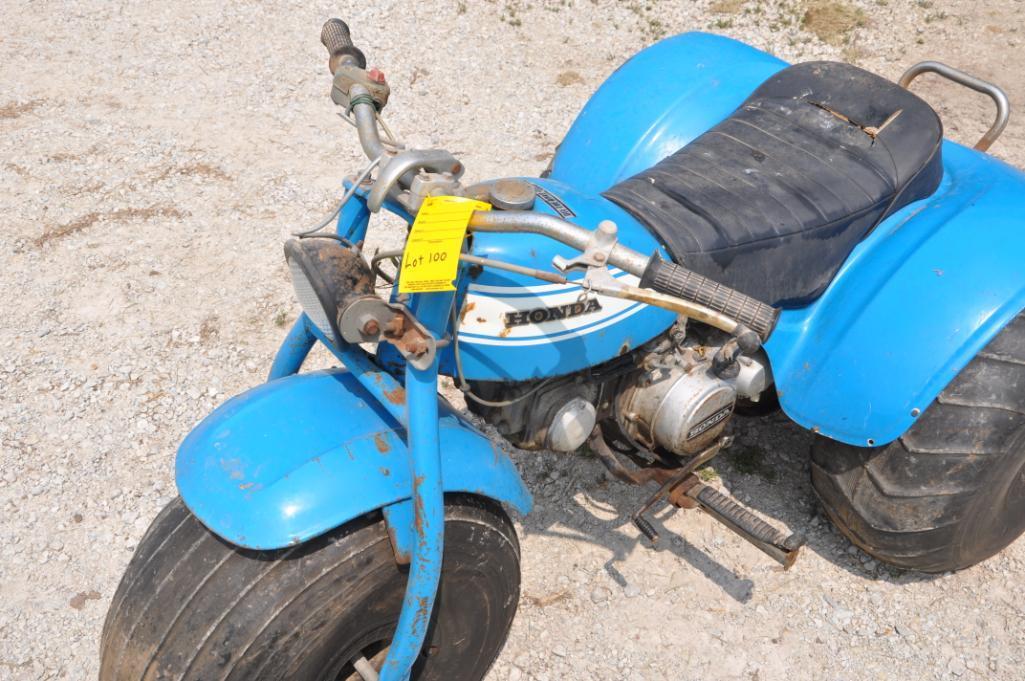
(299, 456)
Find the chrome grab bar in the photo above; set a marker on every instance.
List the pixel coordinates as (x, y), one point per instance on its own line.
(958, 76)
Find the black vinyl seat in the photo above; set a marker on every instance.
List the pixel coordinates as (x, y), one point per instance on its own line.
(772, 200)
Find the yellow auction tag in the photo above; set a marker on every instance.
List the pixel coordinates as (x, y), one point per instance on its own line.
(431, 257)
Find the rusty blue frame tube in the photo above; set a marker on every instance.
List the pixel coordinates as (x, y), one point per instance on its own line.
(294, 349)
(432, 310)
(414, 406)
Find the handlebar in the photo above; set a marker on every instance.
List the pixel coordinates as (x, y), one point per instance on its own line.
(713, 303)
(336, 38)
(361, 92)
(662, 284)
(674, 280)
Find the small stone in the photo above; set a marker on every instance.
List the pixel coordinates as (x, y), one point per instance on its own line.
(632, 591)
(78, 600)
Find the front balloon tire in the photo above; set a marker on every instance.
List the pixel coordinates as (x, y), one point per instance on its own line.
(191, 606)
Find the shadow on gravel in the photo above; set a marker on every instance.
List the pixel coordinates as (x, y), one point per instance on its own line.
(558, 515)
(580, 524)
(766, 469)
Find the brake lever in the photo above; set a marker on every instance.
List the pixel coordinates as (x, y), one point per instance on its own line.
(599, 280)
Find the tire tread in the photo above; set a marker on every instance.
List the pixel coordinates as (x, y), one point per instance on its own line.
(193, 607)
(909, 503)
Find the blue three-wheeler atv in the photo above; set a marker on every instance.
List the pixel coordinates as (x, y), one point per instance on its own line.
(717, 231)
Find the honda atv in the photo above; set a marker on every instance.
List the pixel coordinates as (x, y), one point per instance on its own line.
(718, 228)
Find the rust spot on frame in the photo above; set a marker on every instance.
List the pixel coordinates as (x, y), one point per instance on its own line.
(396, 396)
(418, 511)
(381, 442)
(423, 614)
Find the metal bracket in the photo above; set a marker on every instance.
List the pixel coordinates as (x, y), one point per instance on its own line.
(373, 320)
(667, 487)
(600, 280)
(429, 184)
(347, 75)
(399, 520)
(596, 252)
(431, 160)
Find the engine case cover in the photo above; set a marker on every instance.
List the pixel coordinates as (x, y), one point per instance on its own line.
(559, 417)
(680, 411)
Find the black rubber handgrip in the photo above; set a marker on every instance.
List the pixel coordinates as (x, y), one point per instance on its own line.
(336, 38)
(671, 279)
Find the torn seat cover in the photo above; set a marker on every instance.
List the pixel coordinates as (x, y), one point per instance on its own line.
(772, 200)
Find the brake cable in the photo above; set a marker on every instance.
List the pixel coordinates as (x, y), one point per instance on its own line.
(465, 388)
(345, 199)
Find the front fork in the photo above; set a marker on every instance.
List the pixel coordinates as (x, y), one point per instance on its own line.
(415, 406)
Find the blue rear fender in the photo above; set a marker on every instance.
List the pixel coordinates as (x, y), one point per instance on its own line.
(654, 104)
(299, 456)
(913, 303)
(924, 293)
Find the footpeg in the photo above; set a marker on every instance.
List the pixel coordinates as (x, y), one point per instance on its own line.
(682, 488)
(781, 548)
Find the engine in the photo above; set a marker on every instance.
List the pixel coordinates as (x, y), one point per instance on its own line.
(673, 397)
(557, 415)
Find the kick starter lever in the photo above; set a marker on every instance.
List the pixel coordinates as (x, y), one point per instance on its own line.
(666, 488)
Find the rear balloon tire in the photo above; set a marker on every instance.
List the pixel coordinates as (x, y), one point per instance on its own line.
(951, 491)
(192, 607)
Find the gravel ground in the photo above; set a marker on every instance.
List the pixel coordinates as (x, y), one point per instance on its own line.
(154, 155)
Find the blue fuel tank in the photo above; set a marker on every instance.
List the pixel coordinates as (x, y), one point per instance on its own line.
(516, 328)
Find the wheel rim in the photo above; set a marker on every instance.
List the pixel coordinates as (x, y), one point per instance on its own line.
(369, 657)
(371, 646)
